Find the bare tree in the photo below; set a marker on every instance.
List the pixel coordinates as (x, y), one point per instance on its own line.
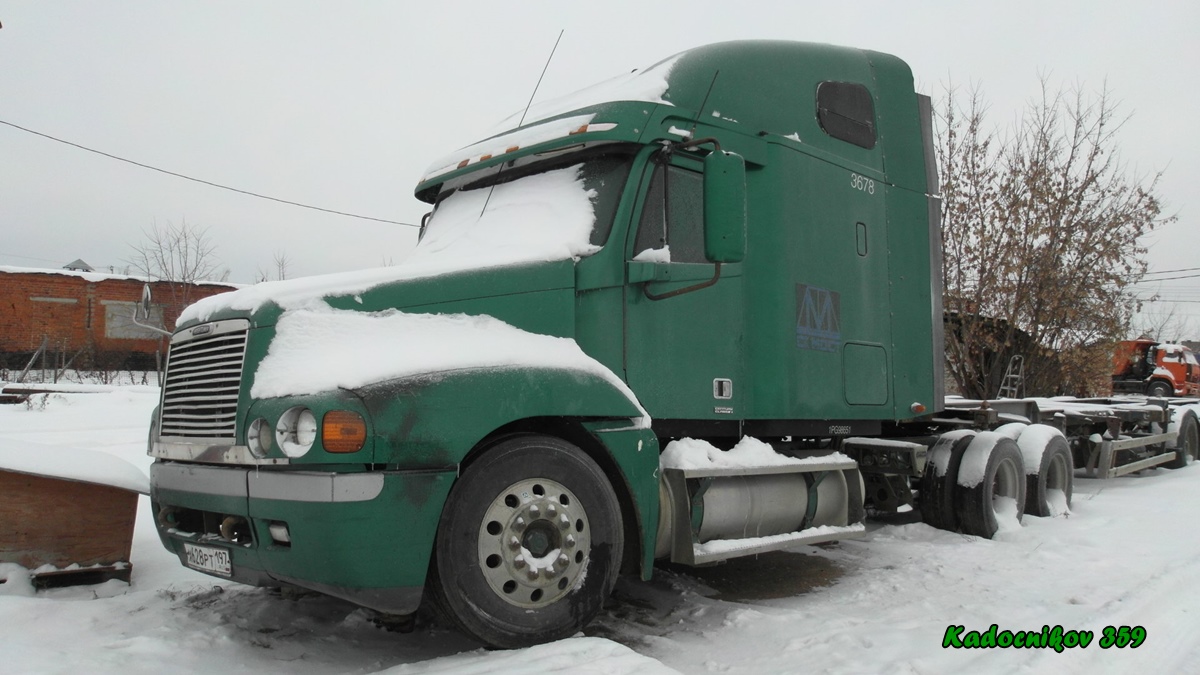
(1041, 241)
(181, 255)
(282, 264)
(1161, 322)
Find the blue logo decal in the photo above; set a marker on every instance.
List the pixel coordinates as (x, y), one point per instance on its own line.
(818, 319)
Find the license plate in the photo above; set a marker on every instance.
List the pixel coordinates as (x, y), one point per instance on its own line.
(208, 559)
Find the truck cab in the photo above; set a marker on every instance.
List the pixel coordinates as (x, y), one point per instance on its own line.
(607, 299)
(1155, 368)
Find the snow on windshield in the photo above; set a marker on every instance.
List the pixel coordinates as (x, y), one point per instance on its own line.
(538, 218)
(321, 349)
(546, 216)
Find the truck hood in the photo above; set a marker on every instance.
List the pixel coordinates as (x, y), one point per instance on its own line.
(420, 288)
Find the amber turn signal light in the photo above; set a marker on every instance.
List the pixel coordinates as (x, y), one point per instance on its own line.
(343, 431)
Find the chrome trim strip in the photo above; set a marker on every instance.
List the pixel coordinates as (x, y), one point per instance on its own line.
(207, 480)
(211, 451)
(312, 486)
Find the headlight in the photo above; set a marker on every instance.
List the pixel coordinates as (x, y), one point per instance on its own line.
(258, 437)
(296, 431)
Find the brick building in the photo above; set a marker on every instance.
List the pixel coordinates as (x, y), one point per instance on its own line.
(86, 315)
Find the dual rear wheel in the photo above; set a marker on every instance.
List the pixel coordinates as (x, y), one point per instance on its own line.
(978, 483)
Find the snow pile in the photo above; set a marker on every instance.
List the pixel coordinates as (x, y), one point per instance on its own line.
(587, 655)
(975, 458)
(320, 349)
(1032, 444)
(656, 255)
(1011, 430)
(939, 456)
(539, 218)
(87, 466)
(546, 216)
(884, 606)
(689, 453)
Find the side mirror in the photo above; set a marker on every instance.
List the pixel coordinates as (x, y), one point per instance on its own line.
(141, 313)
(143, 308)
(724, 207)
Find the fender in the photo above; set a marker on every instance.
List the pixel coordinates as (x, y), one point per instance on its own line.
(434, 421)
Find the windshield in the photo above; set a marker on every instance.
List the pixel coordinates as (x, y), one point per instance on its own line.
(546, 209)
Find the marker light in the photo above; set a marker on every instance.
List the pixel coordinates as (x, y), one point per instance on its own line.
(343, 431)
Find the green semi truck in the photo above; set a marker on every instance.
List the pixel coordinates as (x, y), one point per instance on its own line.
(690, 314)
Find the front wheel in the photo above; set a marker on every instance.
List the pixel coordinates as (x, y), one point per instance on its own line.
(529, 544)
(1160, 389)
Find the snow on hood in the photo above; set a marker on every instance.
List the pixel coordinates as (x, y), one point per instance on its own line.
(320, 349)
(77, 464)
(539, 218)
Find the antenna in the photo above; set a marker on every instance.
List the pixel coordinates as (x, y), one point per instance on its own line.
(704, 103)
(526, 112)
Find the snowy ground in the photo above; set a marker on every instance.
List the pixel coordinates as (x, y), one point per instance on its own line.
(1127, 555)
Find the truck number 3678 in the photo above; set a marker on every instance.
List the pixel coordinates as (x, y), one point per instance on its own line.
(863, 183)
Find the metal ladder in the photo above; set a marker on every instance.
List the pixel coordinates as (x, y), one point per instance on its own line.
(1010, 386)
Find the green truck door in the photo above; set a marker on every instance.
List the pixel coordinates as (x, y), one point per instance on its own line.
(683, 353)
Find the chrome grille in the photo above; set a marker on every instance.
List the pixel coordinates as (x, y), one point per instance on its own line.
(204, 370)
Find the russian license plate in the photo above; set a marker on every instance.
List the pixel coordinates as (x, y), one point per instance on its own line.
(208, 559)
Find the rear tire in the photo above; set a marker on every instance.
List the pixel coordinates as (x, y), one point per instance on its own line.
(1056, 471)
(529, 544)
(1188, 443)
(937, 489)
(995, 461)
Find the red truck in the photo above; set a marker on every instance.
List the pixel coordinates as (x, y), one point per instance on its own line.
(1155, 368)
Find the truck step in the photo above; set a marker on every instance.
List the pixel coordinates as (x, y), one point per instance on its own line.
(723, 549)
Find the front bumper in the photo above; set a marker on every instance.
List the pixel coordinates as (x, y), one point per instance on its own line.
(363, 536)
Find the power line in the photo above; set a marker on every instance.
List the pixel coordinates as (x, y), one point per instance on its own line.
(1150, 281)
(205, 182)
(26, 257)
(1185, 269)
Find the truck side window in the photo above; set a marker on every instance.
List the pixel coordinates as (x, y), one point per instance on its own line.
(846, 112)
(673, 214)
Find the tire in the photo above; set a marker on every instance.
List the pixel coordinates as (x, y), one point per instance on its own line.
(1159, 389)
(1187, 445)
(1055, 472)
(526, 498)
(936, 499)
(991, 485)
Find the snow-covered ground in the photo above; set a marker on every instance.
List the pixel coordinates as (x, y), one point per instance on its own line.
(1127, 555)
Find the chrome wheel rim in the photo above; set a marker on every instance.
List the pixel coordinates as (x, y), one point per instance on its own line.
(534, 542)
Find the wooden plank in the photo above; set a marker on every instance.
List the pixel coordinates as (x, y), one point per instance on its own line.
(51, 521)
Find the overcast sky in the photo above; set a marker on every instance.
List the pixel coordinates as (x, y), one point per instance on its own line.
(344, 105)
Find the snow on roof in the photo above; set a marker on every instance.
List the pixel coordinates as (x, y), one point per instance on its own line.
(647, 85)
(100, 276)
(1172, 347)
(538, 218)
(321, 348)
(78, 464)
